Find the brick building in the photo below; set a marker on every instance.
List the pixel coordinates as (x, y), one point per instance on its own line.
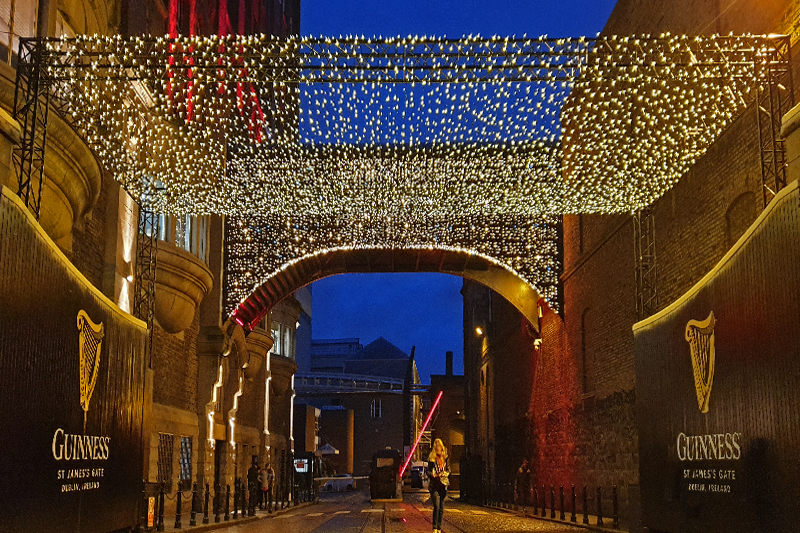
(578, 425)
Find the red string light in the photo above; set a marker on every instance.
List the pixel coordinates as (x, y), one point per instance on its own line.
(425, 425)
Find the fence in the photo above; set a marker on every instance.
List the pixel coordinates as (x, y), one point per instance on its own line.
(224, 503)
(554, 503)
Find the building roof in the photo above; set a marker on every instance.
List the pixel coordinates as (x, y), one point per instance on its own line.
(380, 348)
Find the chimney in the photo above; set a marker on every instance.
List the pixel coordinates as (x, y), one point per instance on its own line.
(448, 363)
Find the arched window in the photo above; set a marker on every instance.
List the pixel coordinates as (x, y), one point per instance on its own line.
(740, 214)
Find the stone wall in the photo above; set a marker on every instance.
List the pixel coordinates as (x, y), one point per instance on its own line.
(175, 367)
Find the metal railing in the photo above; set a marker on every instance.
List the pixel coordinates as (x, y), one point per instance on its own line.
(554, 503)
(345, 382)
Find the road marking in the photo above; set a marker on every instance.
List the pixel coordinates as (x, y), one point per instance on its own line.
(396, 510)
(314, 514)
(371, 510)
(479, 512)
(341, 512)
(455, 510)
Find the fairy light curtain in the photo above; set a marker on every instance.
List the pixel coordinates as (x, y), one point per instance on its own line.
(402, 132)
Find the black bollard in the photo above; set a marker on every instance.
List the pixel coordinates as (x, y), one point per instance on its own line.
(160, 524)
(217, 504)
(236, 500)
(544, 501)
(561, 516)
(552, 502)
(205, 506)
(227, 502)
(178, 524)
(193, 515)
(599, 507)
(615, 508)
(535, 501)
(573, 518)
(585, 506)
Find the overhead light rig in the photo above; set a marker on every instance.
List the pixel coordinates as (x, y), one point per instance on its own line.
(404, 131)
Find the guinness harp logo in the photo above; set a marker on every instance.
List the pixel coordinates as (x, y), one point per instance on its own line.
(700, 334)
(90, 340)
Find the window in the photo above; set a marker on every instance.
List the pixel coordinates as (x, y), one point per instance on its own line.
(376, 410)
(186, 463)
(165, 444)
(17, 19)
(276, 338)
(287, 342)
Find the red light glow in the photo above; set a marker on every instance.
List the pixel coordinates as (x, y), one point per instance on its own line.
(421, 431)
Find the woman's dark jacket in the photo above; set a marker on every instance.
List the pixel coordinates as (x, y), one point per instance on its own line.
(434, 483)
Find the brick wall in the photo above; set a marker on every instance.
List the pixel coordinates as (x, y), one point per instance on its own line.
(175, 367)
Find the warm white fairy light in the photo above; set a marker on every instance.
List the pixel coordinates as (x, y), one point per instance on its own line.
(259, 247)
(356, 142)
(416, 126)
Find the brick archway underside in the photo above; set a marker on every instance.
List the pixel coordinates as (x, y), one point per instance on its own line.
(343, 261)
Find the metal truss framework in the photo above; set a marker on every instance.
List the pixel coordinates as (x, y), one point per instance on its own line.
(31, 106)
(775, 98)
(644, 246)
(145, 283)
(52, 69)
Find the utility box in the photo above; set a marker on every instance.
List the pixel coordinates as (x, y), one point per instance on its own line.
(384, 476)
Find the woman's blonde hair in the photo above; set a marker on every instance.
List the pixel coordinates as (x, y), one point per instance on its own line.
(432, 456)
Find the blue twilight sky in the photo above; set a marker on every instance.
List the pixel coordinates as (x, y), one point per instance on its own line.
(424, 309)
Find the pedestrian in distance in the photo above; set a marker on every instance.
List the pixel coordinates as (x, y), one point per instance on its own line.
(252, 485)
(521, 484)
(262, 487)
(270, 482)
(439, 480)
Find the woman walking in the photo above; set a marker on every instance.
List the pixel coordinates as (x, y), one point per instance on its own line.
(439, 469)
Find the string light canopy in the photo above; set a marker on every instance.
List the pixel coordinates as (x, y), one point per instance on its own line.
(413, 126)
(318, 143)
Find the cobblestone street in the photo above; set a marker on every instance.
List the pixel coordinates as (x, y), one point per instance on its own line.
(353, 512)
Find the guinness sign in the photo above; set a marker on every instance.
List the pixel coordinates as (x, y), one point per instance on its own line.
(90, 342)
(700, 335)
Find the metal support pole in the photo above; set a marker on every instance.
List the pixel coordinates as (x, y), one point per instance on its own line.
(227, 502)
(160, 524)
(552, 502)
(599, 507)
(562, 516)
(217, 503)
(544, 501)
(573, 518)
(205, 506)
(178, 510)
(193, 517)
(236, 490)
(535, 501)
(615, 508)
(585, 505)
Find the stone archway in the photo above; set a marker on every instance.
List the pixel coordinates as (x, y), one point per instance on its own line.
(495, 275)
